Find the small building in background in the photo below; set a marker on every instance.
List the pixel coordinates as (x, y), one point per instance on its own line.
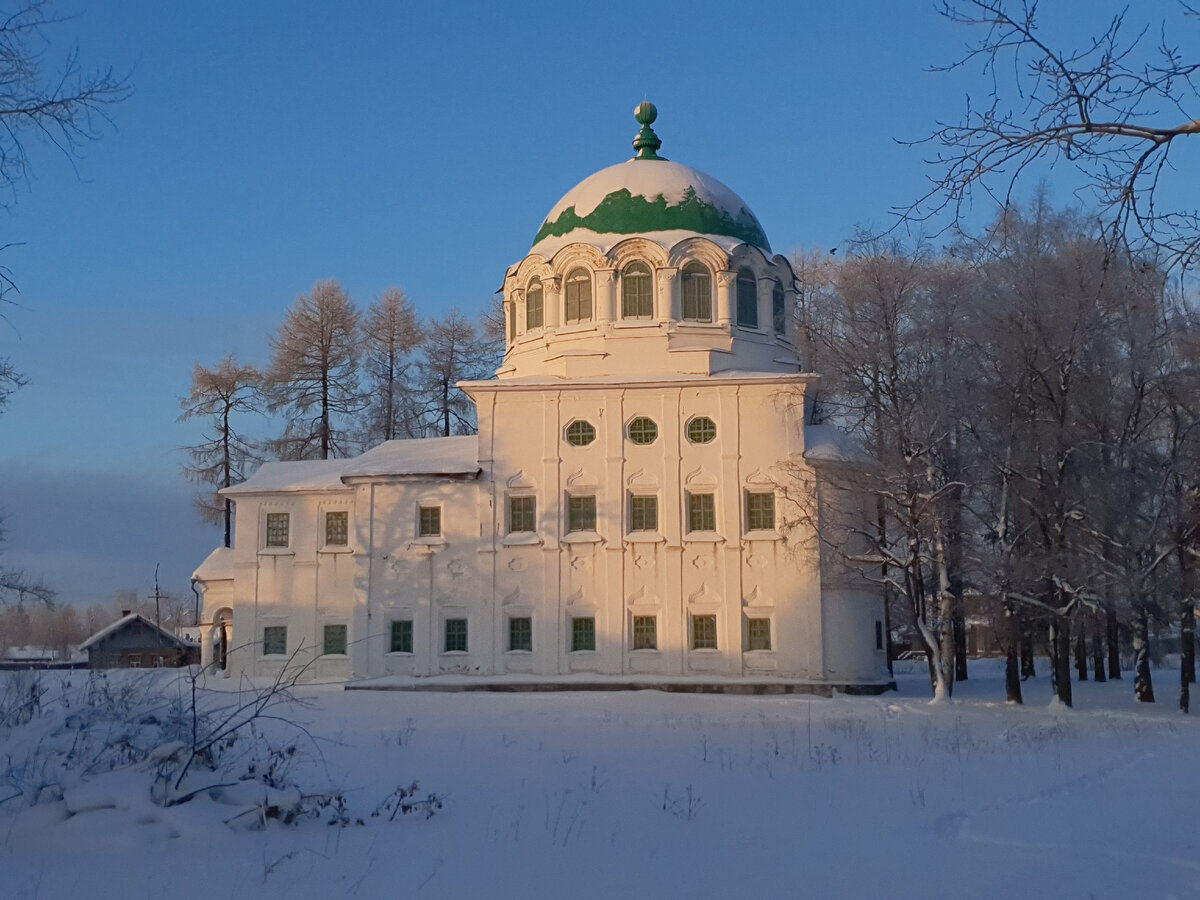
(134, 642)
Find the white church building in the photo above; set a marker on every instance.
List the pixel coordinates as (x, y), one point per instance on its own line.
(643, 497)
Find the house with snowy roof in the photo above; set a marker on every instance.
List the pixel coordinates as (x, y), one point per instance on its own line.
(640, 499)
(134, 642)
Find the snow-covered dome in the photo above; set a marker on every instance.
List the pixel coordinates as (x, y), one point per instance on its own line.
(650, 196)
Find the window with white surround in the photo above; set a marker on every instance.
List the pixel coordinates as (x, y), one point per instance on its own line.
(522, 514)
(337, 528)
(643, 512)
(760, 511)
(704, 632)
(580, 433)
(645, 633)
(642, 430)
(401, 636)
(701, 430)
(578, 297)
(520, 633)
(455, 636)
(581, 512)
(697, 293)
(747, 299)
(701, 512)
(274, 640)
(637, 292)
(583, 633)
(333, 640)
(534, 305)
(429, 521)
(277, 529)
(758, 634)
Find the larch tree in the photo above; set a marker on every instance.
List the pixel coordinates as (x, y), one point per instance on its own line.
(453, 351)
(390, 335)
(312, 379)
(223, 455)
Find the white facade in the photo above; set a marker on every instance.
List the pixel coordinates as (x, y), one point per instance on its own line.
(637, 501)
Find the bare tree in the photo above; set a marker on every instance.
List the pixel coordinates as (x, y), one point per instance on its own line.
(390, 334)
(221, 458)
(313, 375)
(1114, 109)
(453, 351)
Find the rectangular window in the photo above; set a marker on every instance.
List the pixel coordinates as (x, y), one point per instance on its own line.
(456, 636)
(747, 302)
(277, 529)
(701, 512)
(581, 513)
(758, 634)
(760, 511)
(522, 515)
(533, 310)
(402, 636)
(583, 634)
(645, 633)
(704, 632)
(275, 640)
(778, 310)
(334, 642)
(510, 313)
(697, 293)
(520, 633)
(643, 513)
(430, 522)
(337, 529)
(878, 635)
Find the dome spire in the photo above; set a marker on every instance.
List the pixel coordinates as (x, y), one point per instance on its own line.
(646, 143)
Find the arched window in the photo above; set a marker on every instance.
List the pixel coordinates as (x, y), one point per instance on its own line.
(747, 299)
(579, 296)
(637, 292)
(778, 309)
(697, 293)
(533, 305)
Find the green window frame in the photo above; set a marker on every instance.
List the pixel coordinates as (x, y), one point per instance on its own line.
(760, 511)
(583, 634)
(522, 514)
(580, 433)
(429, 521)
(778, 309)
(334, 640)
(643, 430)
(704, 632)
(581, 512)
(337, 528)
(578, 297)
(637, 292)
(645, 632)
(747, 299)
(401, 636)
(643, 512)
(697, 293)
(520, 633)
(701, 512)
(278, 526)
(535, 309)
(758, 634)
(455, 636)
(701, 430)
(274, 640)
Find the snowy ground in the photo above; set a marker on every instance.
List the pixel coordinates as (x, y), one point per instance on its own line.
(651, 795)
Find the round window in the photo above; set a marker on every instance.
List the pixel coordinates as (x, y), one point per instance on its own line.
(643, 430)
(580, 433)
(701, 430)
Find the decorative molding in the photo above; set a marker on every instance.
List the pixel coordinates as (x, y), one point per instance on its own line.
(512, 599)
(642, 479)
(520, 481)
(581, 479)
(700, 477)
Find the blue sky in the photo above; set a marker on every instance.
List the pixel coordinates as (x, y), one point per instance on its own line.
(269, 145)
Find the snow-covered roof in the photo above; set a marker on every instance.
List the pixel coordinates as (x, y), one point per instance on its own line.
(828, 443)
(423, 456)
(420, 456)
(647, 197)
(218, 566)
(123, 622)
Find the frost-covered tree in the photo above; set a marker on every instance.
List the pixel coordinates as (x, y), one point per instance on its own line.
(390, 335)
(312, 379)
(221, 458)
(453, 351)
